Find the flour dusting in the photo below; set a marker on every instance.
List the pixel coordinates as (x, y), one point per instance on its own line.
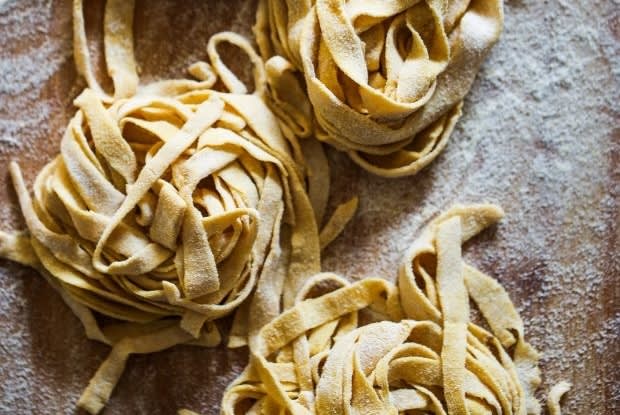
(539, 137)
(29, 58)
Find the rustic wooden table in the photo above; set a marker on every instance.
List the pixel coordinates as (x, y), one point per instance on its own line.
(539, 137)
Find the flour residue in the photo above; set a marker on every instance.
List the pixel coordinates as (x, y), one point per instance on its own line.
(539, 137)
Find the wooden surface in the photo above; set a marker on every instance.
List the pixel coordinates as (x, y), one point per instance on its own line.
(539, 137)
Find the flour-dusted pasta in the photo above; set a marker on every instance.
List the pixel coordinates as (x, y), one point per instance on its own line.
(555, 394)
(171, 205)
(423, 355)
(386, 79)
(174, 204)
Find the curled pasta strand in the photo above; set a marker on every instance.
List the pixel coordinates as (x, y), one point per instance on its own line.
(227, 76)
(288, 98)
(555, 394)
(118, 45)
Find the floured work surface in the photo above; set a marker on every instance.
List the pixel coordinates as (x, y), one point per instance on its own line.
(537, 138)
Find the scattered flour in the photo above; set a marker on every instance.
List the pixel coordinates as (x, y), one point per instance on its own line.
(29, 58)
(539, 137)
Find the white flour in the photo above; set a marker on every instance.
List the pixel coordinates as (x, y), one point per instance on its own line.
(25, 70)
(539, 137)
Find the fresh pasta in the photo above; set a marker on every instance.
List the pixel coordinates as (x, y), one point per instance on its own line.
(386, 79)
(422, 355)
(171, 205)
(174, 204)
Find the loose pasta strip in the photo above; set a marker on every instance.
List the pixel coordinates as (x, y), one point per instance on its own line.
(420, 352)
(385, 79)
(555, 394)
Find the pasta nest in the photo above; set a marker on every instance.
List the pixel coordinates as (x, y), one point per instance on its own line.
(174, 204)
(169, 202)
(423, 355)
(386, 80)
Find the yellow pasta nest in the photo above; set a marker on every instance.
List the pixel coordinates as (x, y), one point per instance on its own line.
(424, 356)
(386, 79)
(153, 207)
(164, 207)
(170, 205)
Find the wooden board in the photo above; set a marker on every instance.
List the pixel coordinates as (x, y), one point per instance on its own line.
(539, 137)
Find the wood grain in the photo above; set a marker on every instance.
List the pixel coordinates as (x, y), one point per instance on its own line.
(540, 140)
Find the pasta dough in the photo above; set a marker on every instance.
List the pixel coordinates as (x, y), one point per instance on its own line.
(172, 204)
(424, 354)
(386, 79)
